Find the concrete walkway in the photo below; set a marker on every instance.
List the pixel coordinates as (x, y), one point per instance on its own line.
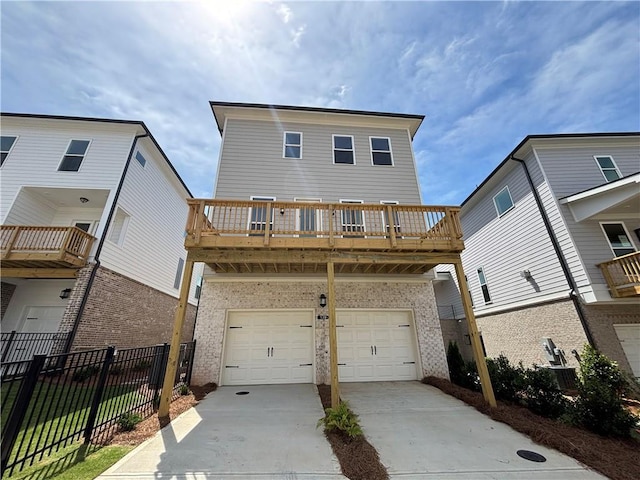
(268, 434)
(422, 433)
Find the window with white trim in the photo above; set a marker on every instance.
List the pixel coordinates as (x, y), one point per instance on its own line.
(119, 227)
(381, 151)
(7, 144)
(74, 155)
(503, 201)
(343, 151)
(608, 167)
(483, 286)
(140, 158)
(618, 238)
(292, 145)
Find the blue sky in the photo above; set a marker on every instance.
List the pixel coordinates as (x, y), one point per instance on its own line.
(485, 74)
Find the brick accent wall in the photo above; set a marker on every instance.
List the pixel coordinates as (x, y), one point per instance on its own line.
(601, 319)
(518, 333)
(6, 292)
(125, 313)
(217, 297)
(75, 298)
(455, 331)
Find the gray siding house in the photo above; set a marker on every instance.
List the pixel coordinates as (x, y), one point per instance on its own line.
(299, 189)
(552, 239)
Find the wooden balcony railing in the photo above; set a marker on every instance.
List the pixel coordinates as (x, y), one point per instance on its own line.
(623, 275)
(25, 246)
(255, 224)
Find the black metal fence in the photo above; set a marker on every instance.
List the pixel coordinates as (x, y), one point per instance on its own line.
(19, 346)
(52, 401)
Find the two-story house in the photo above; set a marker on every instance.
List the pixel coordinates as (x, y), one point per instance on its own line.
(92, 228)
(316, 211)
(552, 237)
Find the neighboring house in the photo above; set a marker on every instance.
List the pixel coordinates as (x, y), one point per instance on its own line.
(524, 289)
(92, 228)
(308, 200)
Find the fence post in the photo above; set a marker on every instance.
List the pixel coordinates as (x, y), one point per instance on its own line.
(97, 396)
(158, 369)
(192, 355)
(7, 346)
(20, 406)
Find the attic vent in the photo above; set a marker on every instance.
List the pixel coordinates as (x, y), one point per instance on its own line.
(141, 160)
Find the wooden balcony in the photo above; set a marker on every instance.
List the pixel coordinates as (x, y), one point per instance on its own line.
(40, 251)
(623, 275)
(236, 236)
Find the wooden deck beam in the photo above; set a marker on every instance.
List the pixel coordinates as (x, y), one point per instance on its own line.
(40, 272)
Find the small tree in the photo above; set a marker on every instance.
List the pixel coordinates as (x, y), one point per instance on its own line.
(541, 393)
(457, 370)
(508, 381)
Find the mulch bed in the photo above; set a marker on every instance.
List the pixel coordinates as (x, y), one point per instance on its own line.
(618, 459)
(358, 459)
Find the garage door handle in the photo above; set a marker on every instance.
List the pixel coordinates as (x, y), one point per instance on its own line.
(306, 326)
(371, 349)
(375, 350)
(272, 351)
(407, 325)
(306, 364)
(232, 366)
(408, 363)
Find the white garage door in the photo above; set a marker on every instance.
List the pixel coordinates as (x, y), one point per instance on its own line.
(268, 347)
(629, 336)
(376, 345)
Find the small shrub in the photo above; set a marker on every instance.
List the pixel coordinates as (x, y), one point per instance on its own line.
(457, 370)
(472, 378)
(116, 369)
(598, 406)
(82, 374)
(128, 421)
(184, 390)
(141, 366)
(508, 381)
(341, 419)
(541, 393)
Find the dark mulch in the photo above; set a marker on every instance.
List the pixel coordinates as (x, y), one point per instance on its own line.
(201, 391)
(618, 459)
(358, 459)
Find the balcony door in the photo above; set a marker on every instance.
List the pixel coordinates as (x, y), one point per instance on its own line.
(395, 221)
(352, 218)
(258, 216)
(309, 219)
(618, 238)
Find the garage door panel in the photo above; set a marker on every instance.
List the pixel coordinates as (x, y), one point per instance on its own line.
(629, 336)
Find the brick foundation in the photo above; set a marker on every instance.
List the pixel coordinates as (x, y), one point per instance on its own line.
(6, 292)
(124, 313)
(217, 297)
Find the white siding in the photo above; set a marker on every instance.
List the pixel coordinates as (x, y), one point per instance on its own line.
(42, 144)
(252, 164)
(448, 294)
(29, 209)
(154, 239)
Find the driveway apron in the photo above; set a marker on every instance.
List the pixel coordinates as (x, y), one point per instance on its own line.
(422, 433)
(269, 433)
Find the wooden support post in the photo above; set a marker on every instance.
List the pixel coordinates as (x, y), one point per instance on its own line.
(267, 225)
(12, 240)
(333, 336)
(174, 351)
(478, 354)
(391, 224)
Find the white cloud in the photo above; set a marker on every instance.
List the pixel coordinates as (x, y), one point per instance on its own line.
(284, 12)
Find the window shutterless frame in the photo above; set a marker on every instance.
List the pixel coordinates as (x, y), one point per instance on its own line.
(292, 145)
(258, 215)
(617, 235)
(74, 155)
(483, 286)
(119, 225)
(608, 167)
(343, 148)
(381, 154)
(503, 201)
(8, 142)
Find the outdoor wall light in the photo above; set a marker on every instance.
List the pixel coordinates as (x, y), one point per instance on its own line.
(84, 199)
(323, 300)
(65, 293)
(282, 211)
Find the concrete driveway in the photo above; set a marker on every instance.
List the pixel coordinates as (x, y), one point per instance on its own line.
(268, 434)
(422, 433)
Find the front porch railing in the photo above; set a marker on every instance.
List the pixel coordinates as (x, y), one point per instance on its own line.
(26, 242)
(623, 275)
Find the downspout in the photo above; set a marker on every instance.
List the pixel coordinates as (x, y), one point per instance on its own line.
(85, 296)
(573, 294)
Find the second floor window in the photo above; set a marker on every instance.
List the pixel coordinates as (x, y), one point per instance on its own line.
(608, 168)
(73, 157)
(343, 149)
(381, 151)
(7, 145)
(483, 286)
(292, 147)
(503, 201)
(618, 239)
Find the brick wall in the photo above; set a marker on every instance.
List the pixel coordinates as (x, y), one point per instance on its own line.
(601, 319)
(6, 293)
(518, 333)
(455, 331)
(75, 298)
(126, 313)
(217, 297)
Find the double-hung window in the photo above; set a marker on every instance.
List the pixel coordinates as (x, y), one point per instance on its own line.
(618, 238)
(483, 286)
(292, 145)
(343, 151)
(503, 201)
(74, 155)
(608, 168)
(7, 144)
(381, 151)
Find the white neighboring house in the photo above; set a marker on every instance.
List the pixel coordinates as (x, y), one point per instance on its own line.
(92, 228)
(300, 192)
(556, 257)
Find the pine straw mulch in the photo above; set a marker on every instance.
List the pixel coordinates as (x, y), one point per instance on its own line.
(358, 459)
(150, 426)
(618, 459)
